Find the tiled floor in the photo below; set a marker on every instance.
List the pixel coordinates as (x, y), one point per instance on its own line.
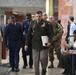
(28, 71)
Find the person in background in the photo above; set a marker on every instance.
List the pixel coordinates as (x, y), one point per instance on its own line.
(45, 16)
(37, 29)
(3, 26)
(70, 29)
(25, 27)
(65, 64)
(59, 21)
(2, 33)
(8, 22)
(13, 35)
(56, 41)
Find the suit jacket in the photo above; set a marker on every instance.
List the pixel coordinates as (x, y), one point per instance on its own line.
(13, 34)
(68, 29)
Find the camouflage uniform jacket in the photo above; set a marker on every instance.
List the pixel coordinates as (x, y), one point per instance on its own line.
(58, 31)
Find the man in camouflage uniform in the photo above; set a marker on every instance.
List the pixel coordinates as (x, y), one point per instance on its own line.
(56, 41)
(39, 28)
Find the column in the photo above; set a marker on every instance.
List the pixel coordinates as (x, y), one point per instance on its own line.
(74, 10)
(0, 49)
(65, 9)
(49, 7)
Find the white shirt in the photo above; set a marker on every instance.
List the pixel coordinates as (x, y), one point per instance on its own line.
(72, 28)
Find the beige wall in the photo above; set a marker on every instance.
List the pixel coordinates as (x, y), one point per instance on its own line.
(74, 10)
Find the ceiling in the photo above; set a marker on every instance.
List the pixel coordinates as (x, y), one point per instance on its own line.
(22, 10)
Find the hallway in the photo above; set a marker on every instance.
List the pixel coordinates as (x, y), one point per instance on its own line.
(28, 71)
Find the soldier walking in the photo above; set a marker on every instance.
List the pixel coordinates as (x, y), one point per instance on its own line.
(56, 41)
(39, 28)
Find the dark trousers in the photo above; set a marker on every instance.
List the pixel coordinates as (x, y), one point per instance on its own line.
(24, 57)
(66, 62)
(14, 49)
(29, 52)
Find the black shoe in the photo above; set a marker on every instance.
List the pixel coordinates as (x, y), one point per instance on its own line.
(17, 70)
(51, 66)
(12, 69)
(24, 66)
(43, 72)
(30, 67)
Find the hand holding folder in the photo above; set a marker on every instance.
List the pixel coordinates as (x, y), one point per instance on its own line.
(45, 41)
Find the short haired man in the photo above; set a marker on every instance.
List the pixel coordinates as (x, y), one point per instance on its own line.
(56, 41)
(25, 27)
(45, 16)
(39, 28)
(73, 26)
(13, 35)
(70, 29)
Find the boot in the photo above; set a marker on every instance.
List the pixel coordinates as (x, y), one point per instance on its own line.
(51, 66)
(43, 72)
(24, 66)
(12, 69)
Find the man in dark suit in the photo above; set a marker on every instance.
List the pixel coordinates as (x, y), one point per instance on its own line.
(13, 35)
(25, 27)
(2, 32)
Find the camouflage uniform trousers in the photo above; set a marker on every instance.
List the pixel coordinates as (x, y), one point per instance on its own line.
(54, 47)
